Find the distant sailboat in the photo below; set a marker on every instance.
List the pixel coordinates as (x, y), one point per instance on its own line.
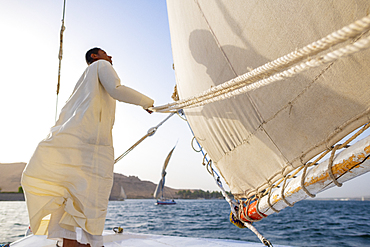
(122, 196)
(158, 193)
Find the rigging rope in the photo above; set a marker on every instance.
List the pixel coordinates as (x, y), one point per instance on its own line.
(150, 132)
(60, 56)
(274, 70)
(234, 206)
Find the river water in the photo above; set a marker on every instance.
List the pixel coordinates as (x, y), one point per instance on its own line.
(308, 223)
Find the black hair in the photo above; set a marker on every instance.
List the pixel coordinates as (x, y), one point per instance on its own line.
(89, 59)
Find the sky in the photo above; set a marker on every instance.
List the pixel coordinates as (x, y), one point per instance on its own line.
(136, 34)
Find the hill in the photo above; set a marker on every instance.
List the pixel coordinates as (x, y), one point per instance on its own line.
(10, 181)
(136, 188)
(10, 176)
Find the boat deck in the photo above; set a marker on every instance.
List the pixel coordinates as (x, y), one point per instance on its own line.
(137, 239)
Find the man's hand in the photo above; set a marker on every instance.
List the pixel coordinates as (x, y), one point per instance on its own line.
(149, 111)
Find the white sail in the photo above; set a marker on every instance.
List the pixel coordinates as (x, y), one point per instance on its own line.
(258, 137)
(159, 189)
(122, 195)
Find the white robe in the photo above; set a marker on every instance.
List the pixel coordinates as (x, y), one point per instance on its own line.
(73, 166)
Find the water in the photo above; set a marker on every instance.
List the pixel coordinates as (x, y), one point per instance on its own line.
(308, 223)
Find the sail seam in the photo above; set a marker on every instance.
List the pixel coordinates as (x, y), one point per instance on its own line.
(291, 103)
(216, 40)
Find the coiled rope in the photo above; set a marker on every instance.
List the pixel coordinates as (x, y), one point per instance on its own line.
(277, 69)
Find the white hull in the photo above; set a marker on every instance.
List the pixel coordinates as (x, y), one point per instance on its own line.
(137, 239)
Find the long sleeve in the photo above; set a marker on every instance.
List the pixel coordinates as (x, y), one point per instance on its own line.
(112, 84)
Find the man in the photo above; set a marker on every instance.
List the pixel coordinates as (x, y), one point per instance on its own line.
(70, 175)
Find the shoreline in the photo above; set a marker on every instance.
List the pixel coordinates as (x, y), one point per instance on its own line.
(13, 196)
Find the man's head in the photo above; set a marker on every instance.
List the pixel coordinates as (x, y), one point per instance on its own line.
(95, 54)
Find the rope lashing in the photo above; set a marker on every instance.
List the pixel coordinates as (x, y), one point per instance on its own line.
(302, 182)
(192, 145)
(234, 206)
(150, 132)
(181, 115)
(330, 163)
(208, 164)
(274, 71)
(282, 193)
(270, 205)
(339, 146)
(243, 211)
(330, 166)
(60, 56)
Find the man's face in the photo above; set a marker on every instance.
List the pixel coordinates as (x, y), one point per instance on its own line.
(102, 55)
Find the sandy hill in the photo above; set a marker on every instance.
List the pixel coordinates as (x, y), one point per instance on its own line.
(10, 176)
(136, 188)
(10, 180)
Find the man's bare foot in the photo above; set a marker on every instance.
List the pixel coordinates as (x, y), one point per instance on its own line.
(85, 245)
(70, 243)
(74, 243)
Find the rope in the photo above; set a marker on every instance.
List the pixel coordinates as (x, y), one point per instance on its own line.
(304, 168)
(181, 115)
(270, 205)
(192, 145)
(259, 235)
(282, 193)
(151, 132)
(270, 70)
(60, 56)
(332, 150)
(302, 181)
(131, 148)
(257, 207)
(339, 146)
(330, 166)
(233, 204)
(244, 210)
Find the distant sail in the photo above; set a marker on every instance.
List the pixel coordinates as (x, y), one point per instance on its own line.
(258, 137)
(159, 189)
(122, 195)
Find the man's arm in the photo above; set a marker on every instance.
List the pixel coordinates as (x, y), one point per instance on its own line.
(112, 84)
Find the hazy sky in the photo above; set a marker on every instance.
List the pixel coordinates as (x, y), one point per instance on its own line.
(136, 34)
